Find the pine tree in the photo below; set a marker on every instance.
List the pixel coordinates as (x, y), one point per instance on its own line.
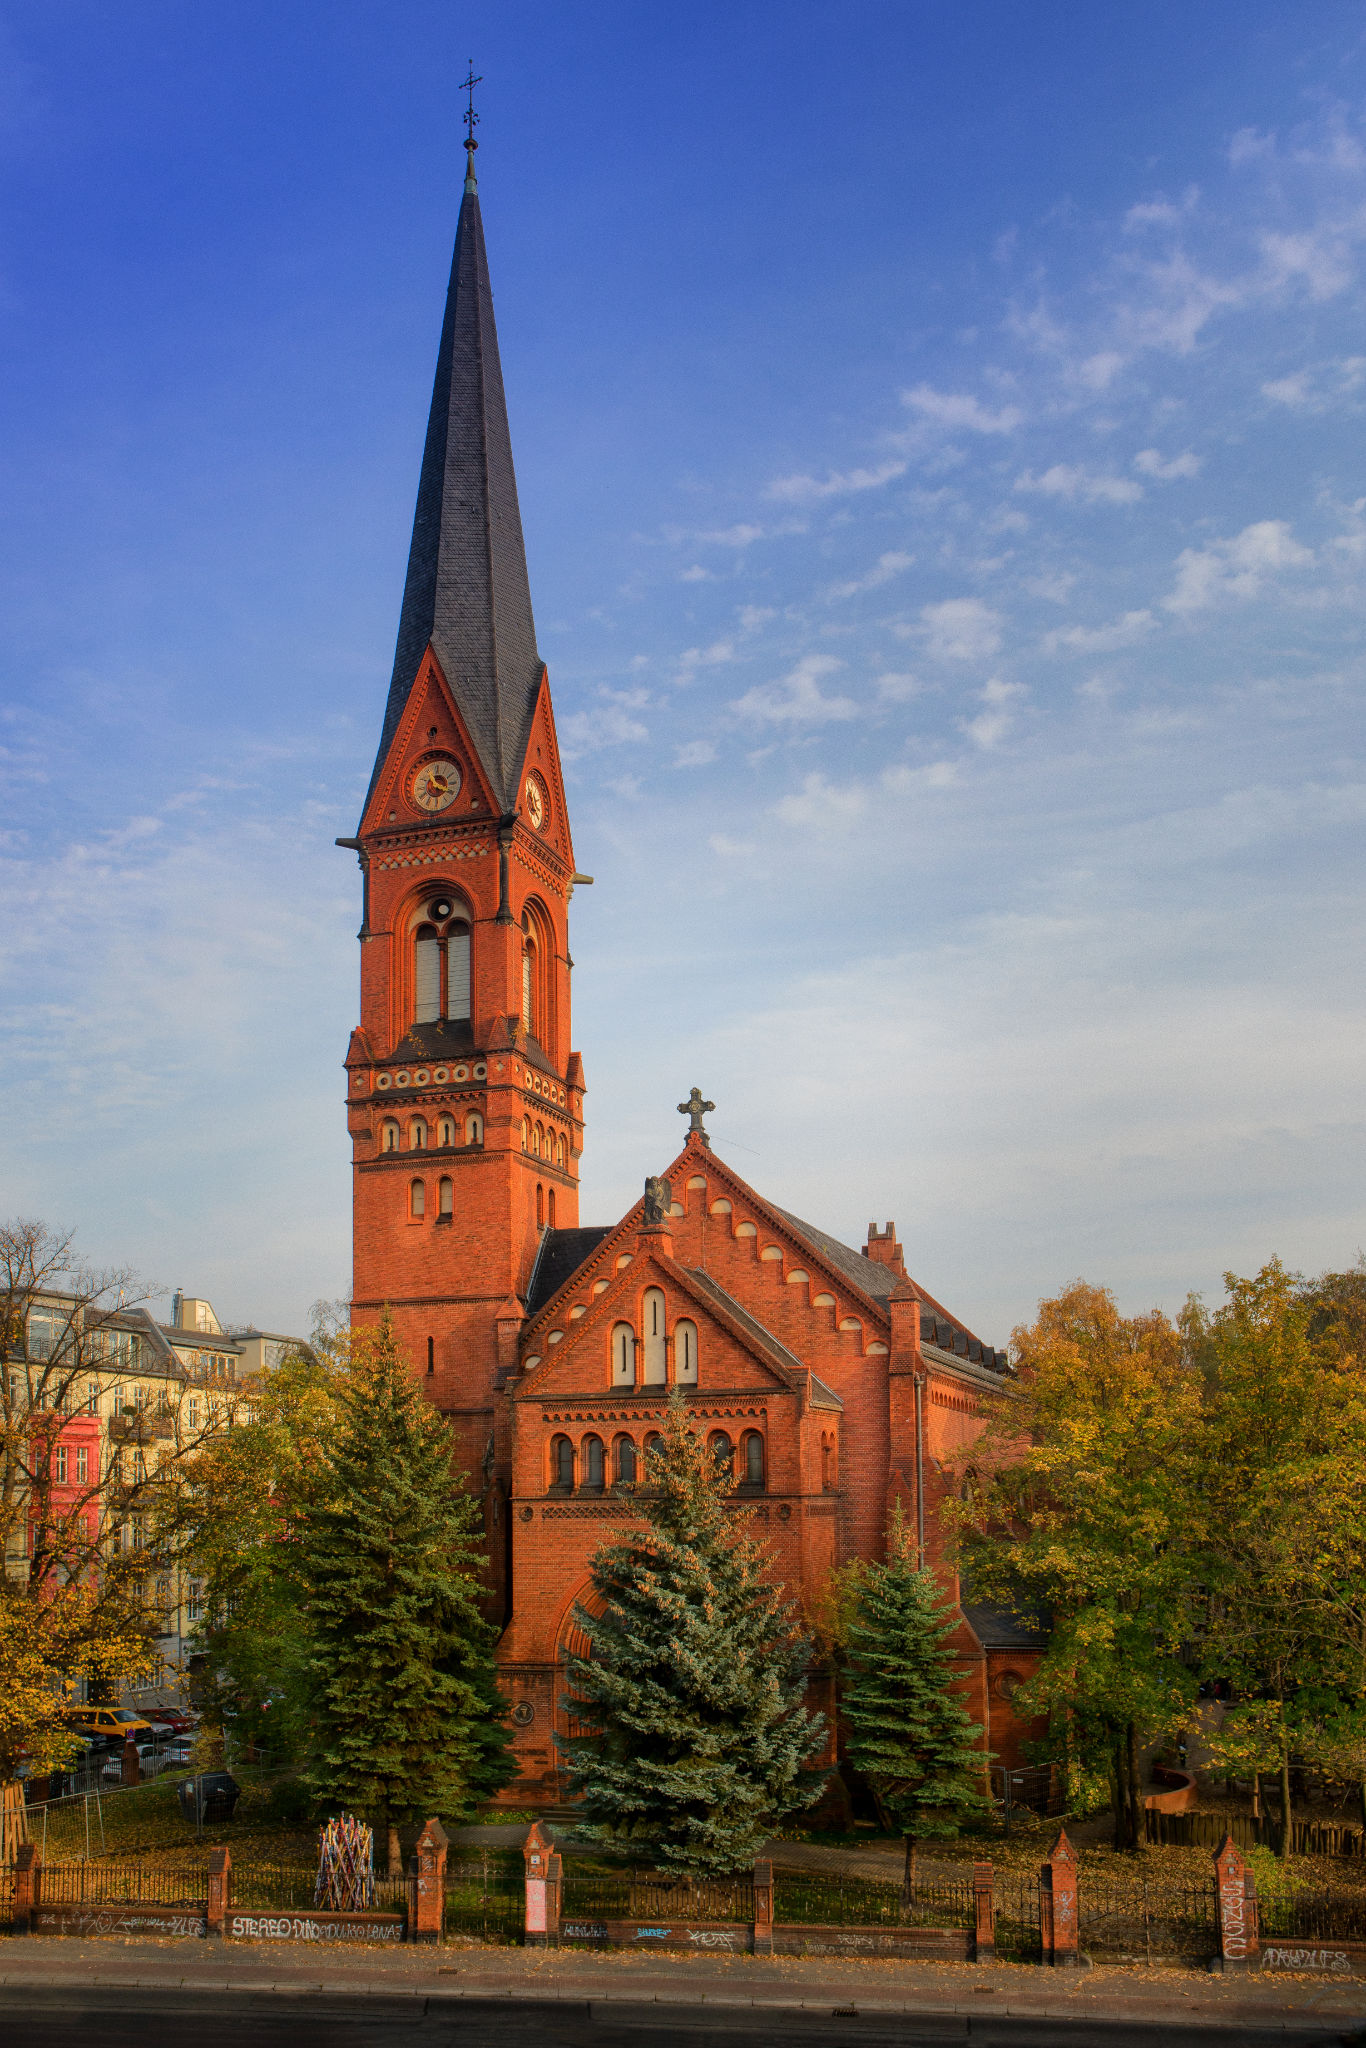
(907, 1733)
(407, 1717)
(697, 1741)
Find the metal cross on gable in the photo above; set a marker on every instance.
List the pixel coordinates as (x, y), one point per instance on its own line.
(695, 1109)
(471, 118)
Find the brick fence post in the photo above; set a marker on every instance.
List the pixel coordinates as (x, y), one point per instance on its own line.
(220, 1893)
(427, 1920)
(1058, 1904)
(984, 1913)
(1235, 1895)
(536, 1855)
(554, 1880)
(763, 1909)
(130, 1764)
(28, 1886)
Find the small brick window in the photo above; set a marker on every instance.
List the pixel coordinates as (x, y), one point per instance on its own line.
(594, 1464)
(417, 1134)
(445, 1203)
(474, 1128)
(561, 1465)
(388, 1137)
(722, 1452)
(445, 1130)
(685, 1352)
(417, 1200)
(624, 1451)
(752, 1460)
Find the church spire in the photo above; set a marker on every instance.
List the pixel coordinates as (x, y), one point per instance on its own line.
(467, 592)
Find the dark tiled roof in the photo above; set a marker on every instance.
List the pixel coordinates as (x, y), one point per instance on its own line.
(467, 590)
(997, 1628)
(871, 1275)
(763, 1339)
(561, 1254)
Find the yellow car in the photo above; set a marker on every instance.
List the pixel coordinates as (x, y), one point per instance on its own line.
(114, 1724)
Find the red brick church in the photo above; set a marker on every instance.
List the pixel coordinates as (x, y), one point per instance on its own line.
(832, 1382)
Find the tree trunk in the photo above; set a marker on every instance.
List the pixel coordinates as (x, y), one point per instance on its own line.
(1287, 1821)
(1117, 1787)
(1135, 1795)
(395, 1852)
(1361, 1794)
(1256, 1795)
(908, 1875)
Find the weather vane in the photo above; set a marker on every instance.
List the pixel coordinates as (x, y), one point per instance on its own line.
(471, 118)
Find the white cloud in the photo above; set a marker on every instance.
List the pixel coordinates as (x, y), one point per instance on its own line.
(1124, 632)
(1073, 481)
(886, 567)
(897, 688)
(693, 659)
(608, 723)
(1237, 568)
(804, 490)
(1150, 463)
(960, 409)
(752, 616)
(796, 699)
(959, 629)
(990, 727)
(728, 848)
(695, 754)
(1098, 372)
(823, 806)
(742, 535)
(697, 574)
(1054, 584)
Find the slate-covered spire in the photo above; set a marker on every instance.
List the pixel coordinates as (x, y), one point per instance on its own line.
(467, 590)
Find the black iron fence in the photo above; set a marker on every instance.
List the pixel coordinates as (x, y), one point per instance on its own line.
(486, 1896)
(289, 1888)
(1207, 1831)
(1136, 1918)
(654, 1895)
(822, 1898)
(124, 1884)
(1018, 1935)
(1313, 1916)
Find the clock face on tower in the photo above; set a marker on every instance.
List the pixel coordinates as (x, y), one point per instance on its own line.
(535, 804)
(436, 784)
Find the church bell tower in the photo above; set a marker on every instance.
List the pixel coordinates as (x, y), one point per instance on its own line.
(465, 1102)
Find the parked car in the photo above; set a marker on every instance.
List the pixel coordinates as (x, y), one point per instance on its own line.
(115, 1724)
(177, 1756)
(170, 1721)
(148, 1759)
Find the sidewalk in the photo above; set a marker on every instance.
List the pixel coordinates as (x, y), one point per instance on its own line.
(817, 1985)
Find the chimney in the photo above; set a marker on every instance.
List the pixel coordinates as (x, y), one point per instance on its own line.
(883, 1247)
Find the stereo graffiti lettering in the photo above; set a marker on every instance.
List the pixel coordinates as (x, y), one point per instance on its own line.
(310, 1927)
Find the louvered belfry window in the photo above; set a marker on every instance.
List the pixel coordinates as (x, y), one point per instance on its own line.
(427, 976)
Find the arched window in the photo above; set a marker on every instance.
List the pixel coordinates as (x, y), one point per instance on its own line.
(550, 1207)
(559, 1151)
(594, 1466)
(526, 1135)
(654, 1443)
(752, 1459)
(625, 1458)
(474, 1128)
(656, 1367)
(685, 1352)
(441, 961)
(388, 1140)
(828, 1470)
(431, 1354)
(722, 1452)
(458, 973)
(417, 1134)
(426, 975)
(445, 1205)
(561, 1465)
(540, 1205)
(537, 1141)
(445, 1130)
(537, 980)
(623, 1355)
(417, 1199)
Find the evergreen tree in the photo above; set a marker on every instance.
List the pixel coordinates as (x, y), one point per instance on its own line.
(696, 1740)
(407, 1719)
(918, 1748)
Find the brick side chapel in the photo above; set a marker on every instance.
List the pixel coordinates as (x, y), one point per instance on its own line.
(832, 1382)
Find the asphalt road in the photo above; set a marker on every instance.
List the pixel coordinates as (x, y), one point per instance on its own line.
(53, 2016)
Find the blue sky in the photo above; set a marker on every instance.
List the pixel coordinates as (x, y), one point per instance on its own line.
(939, 434)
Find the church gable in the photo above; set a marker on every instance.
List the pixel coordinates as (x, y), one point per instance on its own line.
(541, 772)
(414, 780)
(650, 1327)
